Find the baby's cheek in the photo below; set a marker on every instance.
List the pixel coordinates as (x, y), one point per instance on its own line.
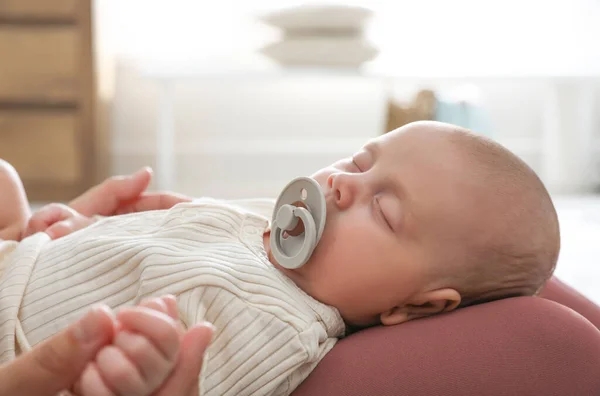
(340, 246)
(356, 227)
(347, 241)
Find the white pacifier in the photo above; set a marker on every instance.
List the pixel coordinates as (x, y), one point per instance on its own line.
(298, 222)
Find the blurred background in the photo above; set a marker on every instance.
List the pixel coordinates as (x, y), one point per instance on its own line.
(234, 98)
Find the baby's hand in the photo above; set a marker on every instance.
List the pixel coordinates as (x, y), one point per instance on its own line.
(56, 220)
(142, 356)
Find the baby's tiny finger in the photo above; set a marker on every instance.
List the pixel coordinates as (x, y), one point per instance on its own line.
(92, 384)
(69, 226)
(119, 373)
(46, 216)
(157, 326)
(155, 303)
(36, 223)
(171, 304)
(153, 366)
(60, 229)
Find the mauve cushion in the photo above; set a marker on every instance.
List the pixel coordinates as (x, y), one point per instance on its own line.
(519, 346)
(558, 291)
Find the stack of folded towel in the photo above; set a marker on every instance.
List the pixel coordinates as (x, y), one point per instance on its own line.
(320, 36)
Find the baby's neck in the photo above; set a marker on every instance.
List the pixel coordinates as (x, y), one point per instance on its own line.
(292, 274)
(267, 246)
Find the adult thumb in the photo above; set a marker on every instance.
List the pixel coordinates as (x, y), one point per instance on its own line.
(184, 378)
(106, 198)
(57, 363)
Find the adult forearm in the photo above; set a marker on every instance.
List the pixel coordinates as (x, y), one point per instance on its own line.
(14, 207)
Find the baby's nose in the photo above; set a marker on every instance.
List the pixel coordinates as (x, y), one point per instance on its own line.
(342, 188)
(330, 180)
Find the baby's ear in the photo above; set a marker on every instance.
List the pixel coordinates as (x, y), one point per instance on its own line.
(422, 305)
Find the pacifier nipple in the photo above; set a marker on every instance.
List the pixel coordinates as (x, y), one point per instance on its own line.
(298, 222)
(297, 228)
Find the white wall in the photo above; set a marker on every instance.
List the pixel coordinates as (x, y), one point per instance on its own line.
(426, 37)
(247, 135)
(552, 123)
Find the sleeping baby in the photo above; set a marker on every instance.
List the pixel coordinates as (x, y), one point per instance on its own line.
(420, 221)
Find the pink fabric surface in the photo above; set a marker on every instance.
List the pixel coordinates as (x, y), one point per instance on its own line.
(558, 291)
(518, 346)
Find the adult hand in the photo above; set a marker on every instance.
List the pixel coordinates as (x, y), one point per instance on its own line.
(192, 347)
(124, 194)
(57, 363)
(116, 195)
(184, 379)
(150, 354)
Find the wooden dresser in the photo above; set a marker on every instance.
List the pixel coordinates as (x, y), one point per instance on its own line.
(47, 127)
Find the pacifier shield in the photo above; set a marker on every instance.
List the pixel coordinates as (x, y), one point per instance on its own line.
(303, 199)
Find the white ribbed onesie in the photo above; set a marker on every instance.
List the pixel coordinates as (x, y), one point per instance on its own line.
(208, 253)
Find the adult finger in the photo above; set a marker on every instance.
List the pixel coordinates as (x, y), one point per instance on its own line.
(153, 201)
(106, 198)
(185, 377)
(57, 363)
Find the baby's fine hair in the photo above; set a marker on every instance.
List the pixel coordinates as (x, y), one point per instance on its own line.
(523, 252)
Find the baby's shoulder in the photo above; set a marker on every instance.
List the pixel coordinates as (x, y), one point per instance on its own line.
(260, 206)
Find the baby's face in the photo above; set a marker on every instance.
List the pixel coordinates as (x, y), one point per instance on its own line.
(392, 215)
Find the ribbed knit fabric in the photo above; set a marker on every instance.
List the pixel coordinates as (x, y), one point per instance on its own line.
(210, 255)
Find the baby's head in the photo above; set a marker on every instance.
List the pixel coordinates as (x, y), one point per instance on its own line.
(425, 219)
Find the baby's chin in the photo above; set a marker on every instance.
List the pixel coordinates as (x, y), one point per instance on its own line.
(296, 275)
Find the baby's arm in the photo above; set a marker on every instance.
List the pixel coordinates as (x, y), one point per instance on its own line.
(142, 356)
(14, 207)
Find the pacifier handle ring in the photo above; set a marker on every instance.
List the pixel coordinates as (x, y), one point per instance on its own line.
(308, 245)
